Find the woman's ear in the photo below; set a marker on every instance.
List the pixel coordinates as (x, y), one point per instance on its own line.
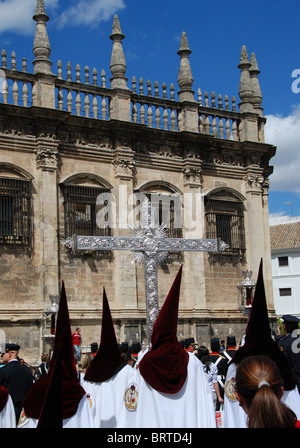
(281, 392)
(240, 399)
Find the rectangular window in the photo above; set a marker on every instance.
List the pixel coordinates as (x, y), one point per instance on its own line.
(168, 213)
(15, 211)
(81, 211)
(285, 292)
(283, 261)
(225, 220)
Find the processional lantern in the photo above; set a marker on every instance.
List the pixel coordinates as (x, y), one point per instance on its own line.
(49, 321)
(245, 293)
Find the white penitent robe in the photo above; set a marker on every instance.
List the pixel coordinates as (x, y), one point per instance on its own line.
(108, 397)
(8, 415)
(81, 419)
(191, 407)
(235, 416)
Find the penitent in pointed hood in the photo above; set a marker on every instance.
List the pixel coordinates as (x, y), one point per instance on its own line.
(72, 392)
(258, 339)
(108, 359)
(51, 413)
(164, 367)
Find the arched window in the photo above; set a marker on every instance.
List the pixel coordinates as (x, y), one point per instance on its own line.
(15, 205)
(84, 197)
(166, 206)
(224, 212)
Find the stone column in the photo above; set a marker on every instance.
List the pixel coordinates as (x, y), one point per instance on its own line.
(193, 227)
(258, 245)
(125, 271)
(46, 162)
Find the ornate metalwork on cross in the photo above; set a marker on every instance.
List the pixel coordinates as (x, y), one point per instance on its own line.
(150, 245)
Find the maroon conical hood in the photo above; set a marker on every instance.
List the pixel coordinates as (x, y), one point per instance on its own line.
(63, 336)
(108, 358)
(164, 367)
(51, 413)
(72, 392)
(258, 339)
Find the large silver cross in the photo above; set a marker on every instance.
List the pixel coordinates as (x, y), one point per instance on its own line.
(150, 245)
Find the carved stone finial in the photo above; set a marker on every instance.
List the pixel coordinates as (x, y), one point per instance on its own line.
(116, 28)
(184, 45)
(244, 57)
(254, 66)
(254, 72)
(117, 61)
(185, 77)
(41, 44)
(245, 88)
(40, 8)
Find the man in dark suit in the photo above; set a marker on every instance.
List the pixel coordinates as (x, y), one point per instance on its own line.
(290, 344)
(16, 377)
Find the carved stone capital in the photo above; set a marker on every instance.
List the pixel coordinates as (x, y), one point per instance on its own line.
(254, 183)
(123, 167)
(46, 159)
(192, 176)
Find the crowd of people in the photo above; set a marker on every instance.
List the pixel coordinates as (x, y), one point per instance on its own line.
(171, 384)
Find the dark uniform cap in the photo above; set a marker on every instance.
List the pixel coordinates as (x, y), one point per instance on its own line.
(231, 340)
(9, 347)
(189, 341)
(94, 347)
(290, 318)
(124, 347)
(215, 344)
(136, 347)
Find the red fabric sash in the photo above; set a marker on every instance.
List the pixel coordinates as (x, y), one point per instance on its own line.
(3, 397)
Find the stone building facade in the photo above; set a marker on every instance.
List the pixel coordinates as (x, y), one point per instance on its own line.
(66, 142)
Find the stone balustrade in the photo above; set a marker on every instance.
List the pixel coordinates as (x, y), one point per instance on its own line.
(83, 95)
(151, 105)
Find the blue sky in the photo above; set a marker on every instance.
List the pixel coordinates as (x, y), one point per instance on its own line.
(79, 32)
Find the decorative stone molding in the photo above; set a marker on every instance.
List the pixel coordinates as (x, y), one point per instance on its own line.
(46, 158)
(123, 167)
(254, 183)
(192, 176)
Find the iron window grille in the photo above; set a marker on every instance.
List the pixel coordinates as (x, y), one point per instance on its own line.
(81, 211)
(15, 211)
(167, 212)
(225, 220)
(283, 261)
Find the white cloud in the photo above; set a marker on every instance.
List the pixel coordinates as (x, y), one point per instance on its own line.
(284, 133)
(90, 12)
(16, 15)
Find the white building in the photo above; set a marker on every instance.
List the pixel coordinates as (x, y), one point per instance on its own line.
(285, 255)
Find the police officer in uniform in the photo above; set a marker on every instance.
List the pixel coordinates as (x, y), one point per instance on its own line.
(220, 362)
(290, 344)
(230, 348)
(16, 377)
